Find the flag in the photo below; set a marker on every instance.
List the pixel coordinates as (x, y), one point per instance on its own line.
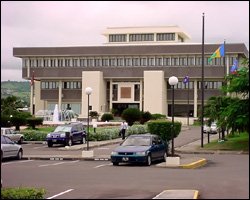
(220, 52)
(234, 67)
(32, 79)
(186, 79)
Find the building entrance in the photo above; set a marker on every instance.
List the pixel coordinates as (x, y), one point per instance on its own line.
(120, 107)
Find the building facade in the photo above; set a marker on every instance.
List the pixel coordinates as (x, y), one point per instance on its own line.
(130, 70)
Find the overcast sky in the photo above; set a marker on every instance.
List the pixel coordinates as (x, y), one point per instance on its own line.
(80, 23)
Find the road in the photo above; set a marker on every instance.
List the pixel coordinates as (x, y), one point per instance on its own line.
(224, 177)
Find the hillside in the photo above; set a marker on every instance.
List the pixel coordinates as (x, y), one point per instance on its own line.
(16, 88)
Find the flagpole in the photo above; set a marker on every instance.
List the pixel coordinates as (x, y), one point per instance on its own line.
(202, 82)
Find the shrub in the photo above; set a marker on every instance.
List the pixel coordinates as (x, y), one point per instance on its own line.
(22, 193)
(158, 116)
(34, 135)
(131, 115)
(145, 116)
(19, 119)
(163, 129)
(107, 117)
(93, 114)
(33, 121)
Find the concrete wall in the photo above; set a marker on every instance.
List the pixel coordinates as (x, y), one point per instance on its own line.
(155, 92)
(93, 79)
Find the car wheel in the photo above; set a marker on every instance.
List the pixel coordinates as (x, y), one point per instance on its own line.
(149, 161)
(19, 154)
(165, 157)
(50, 144)
(115, 163)
(20, 141)
(70, 142)
(83, 140)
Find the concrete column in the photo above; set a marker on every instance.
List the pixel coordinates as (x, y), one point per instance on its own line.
(93, 79)
(141, 88)
(60, 95)
(110, 95)
(195, 98)
(155, 90)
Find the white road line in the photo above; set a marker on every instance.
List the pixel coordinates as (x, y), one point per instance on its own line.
(102, 165)
(60, 194)
(39, 147)
(59, 163)
(51, 164)
(23, 161)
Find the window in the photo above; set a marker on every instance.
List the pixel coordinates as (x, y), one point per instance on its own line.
(117, 38)
(49, 84)
(67, 62)
(165, 36)
(166, 61)
(141, 37)
(75, 62)
(115, 92)
(137, 92)
(60, 62)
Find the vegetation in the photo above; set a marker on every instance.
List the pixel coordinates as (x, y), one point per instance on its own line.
(22, 193)
(239, 142)
(34, 121)
(130, 115)
(107, 117)
(20, 89)
(232, 112)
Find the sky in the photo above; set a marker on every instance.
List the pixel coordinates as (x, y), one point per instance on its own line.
(81, 23)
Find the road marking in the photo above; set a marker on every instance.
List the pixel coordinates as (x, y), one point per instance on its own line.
(39, 147)
(59, 163)
(60, 194)
(23, 161)
(51, 164)
(102, 165)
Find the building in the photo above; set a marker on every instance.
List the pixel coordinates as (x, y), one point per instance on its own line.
(130, 70)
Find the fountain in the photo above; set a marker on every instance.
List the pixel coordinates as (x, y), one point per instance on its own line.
(56, 114)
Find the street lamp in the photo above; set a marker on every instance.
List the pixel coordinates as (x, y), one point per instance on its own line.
(172, 82)
(88, 91)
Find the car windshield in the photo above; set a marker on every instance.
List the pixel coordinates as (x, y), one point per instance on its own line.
(62, 129)
(137, 141)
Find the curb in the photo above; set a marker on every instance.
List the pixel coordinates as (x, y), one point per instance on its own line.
(194, 165)
(178, 194)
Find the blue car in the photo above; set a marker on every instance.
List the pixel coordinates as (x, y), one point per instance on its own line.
(142, 148)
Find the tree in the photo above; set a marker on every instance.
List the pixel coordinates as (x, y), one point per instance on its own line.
(130, 115)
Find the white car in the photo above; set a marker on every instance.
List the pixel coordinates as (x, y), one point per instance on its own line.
(213, 128)
(10, 149)
(206, 129)
(13, 135)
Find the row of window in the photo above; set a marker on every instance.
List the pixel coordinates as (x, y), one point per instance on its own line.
(122, 61)
(141, 37)
(190, 85)
(65, 85)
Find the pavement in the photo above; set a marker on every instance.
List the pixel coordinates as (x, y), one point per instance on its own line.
(189, 156)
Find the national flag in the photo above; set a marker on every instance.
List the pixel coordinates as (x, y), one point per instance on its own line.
(186, 79)
(32, 79)
(220, 52)
(234, 67)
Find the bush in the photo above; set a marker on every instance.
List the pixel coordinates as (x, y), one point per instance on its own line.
(20, 119)
(131, 115)
(145, 116)
(93, 114)
(33, 121)
(158, 116)
(34, 135)
(163, 129)
(107, 117)
(22, 193)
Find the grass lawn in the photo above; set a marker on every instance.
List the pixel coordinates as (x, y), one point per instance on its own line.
(237, 143)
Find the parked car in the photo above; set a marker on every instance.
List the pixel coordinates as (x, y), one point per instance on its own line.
(10, 149)
(213, 128)
(67, 134)
(142, 148)
(210, 129)
(13, 135)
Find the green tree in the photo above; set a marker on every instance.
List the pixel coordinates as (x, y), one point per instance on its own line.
(130, 115)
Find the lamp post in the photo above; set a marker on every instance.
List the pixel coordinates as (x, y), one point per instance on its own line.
(186, 81)
(172, 82)
(88, 91)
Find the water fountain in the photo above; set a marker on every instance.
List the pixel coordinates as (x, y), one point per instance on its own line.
(56, 114)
